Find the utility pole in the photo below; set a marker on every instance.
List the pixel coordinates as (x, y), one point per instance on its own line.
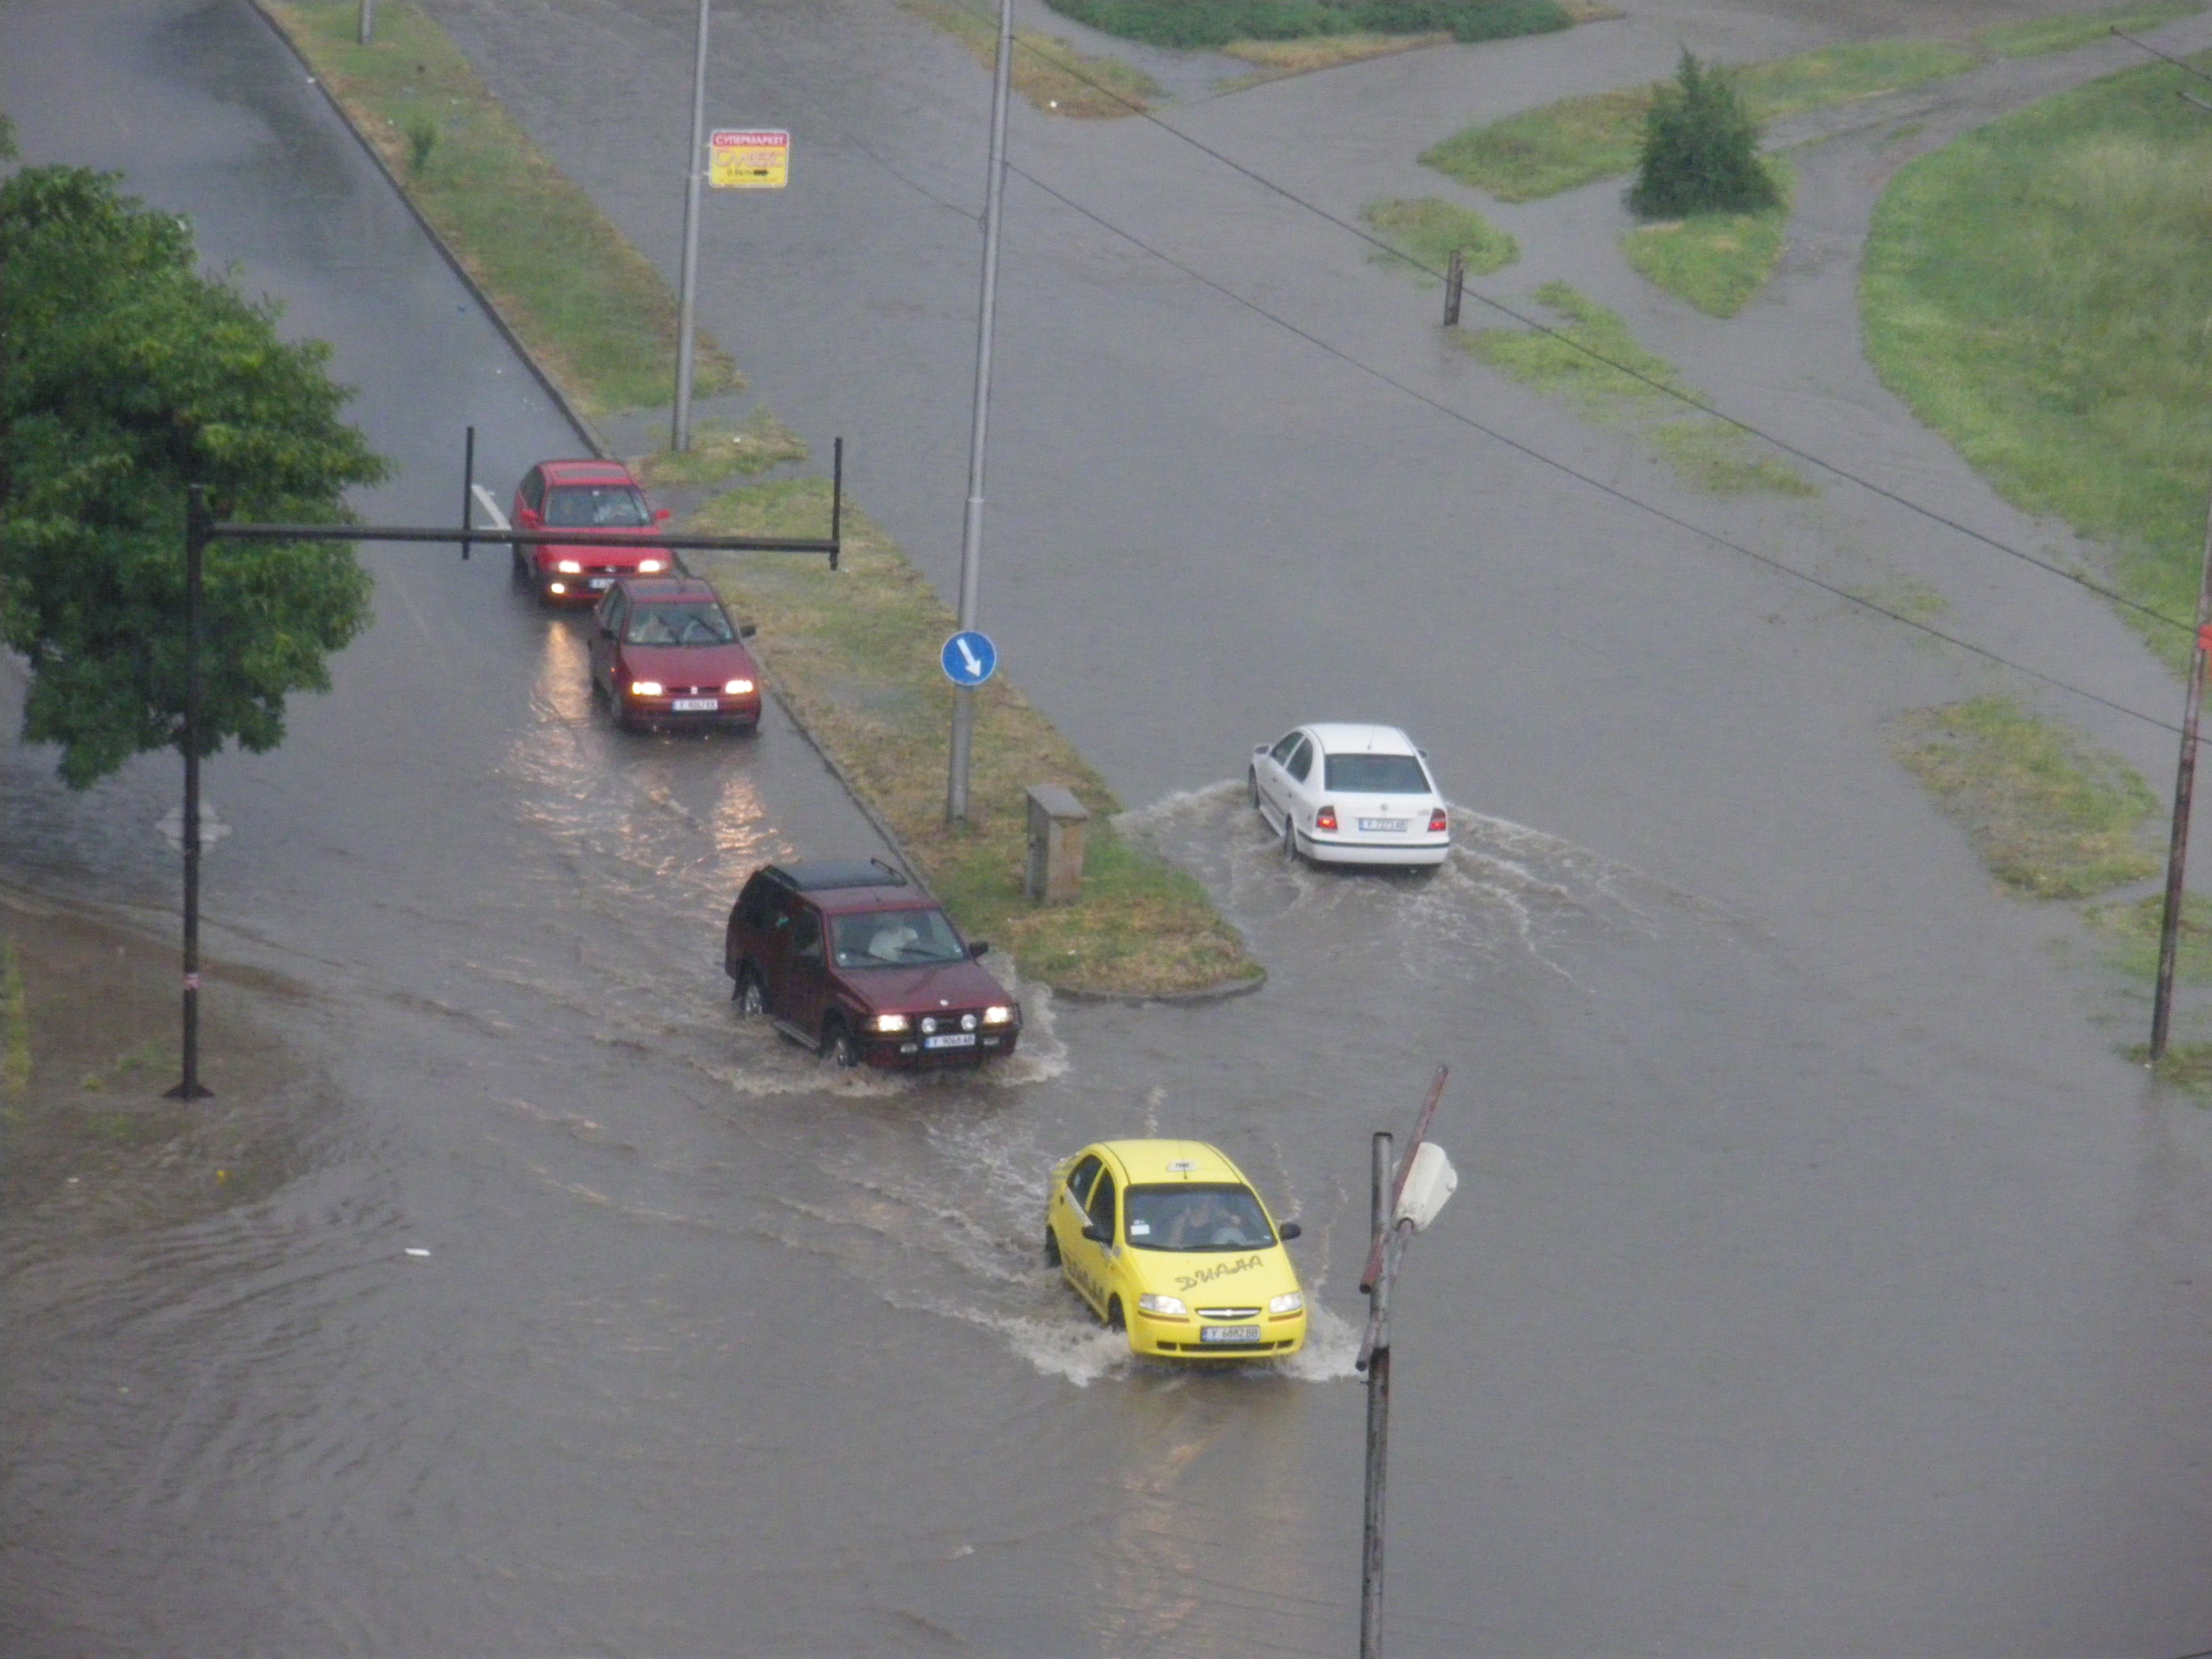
(367, 29)
(1402, 1202)
(695, 172)
(195, 540)
(971, 533)
(1455, 286)
(2185, 784)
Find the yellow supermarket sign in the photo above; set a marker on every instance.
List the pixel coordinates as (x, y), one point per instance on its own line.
(749, 161)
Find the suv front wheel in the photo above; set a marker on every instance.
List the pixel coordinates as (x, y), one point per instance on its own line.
(838, 1046)
(752, 1002)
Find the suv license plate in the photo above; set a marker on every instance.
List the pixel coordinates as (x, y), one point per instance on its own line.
(950, 1040)
(696, 705)
(1229, 1334)
(1386, 826)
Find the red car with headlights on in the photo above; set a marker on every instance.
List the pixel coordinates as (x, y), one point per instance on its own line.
(595, 496)
(665, 652)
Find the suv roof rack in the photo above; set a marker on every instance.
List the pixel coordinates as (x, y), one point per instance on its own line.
(819, 875)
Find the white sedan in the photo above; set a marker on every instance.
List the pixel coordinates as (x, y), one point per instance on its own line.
(1351, 794)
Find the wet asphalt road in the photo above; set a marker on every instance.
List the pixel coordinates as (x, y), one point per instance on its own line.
(1819, 1282)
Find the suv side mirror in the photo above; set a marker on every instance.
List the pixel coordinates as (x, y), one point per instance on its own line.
(1289, 1230)
(1097, 1235)
(977, 948)
(663, 515)
(746, 630)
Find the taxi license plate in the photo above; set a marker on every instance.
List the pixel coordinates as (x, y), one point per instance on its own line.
(950, 1040)
(602, 582)
(1229, 1334)
(1387, 826)
(696, 705)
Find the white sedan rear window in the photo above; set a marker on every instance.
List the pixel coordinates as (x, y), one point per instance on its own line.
(1376, 775)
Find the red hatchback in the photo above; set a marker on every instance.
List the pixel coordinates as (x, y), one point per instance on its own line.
(851, 960)
(665, 652)
(596, 496)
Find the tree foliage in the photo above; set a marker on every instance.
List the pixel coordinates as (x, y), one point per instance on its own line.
(126, 375)
(1700, 149)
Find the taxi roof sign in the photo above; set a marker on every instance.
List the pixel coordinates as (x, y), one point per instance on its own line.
(749, 158)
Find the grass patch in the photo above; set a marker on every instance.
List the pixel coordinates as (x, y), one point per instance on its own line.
(1189, 25)
(2051, 816)
(1278, 58)
(2036, 36)
(590, 308)
(1906, 596)
(1576, 141)
(2186, 1065)
(1725, 460)
(855, 651)
(2132, 932)
(14, 1024)
(2038, 291)
(1715, 261)
(1426, 230)
(1046, 70)
(721, 449)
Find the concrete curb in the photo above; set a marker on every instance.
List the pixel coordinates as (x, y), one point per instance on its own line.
(569, 410)
(1243, 987)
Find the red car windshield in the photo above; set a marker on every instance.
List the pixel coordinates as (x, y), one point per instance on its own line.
(595, 506)
(894, 938)
(679, 623)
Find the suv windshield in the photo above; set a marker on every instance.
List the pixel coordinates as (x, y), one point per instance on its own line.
(1197, 1218)
(891, 938)
(595, 506)
(1376, 775)
(678, 624)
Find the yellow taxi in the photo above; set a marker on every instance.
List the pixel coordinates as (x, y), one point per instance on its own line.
(1167, 1241)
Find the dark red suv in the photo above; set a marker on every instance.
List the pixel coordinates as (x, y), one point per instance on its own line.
(665, 652)
(596, 496)
(854, 960)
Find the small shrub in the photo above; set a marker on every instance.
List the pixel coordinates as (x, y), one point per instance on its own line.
(421, 143)
(1700, 149)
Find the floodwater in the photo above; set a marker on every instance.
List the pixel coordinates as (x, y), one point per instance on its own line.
(1819, 1281)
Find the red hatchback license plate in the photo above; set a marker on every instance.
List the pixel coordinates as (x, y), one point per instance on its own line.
(696, 705)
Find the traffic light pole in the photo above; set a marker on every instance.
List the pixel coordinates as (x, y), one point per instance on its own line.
(189, 1087)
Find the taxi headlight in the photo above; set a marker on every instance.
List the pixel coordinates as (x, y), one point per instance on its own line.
(1288, 1304)
(737, 688)
(998, 1014)
(645, 688)
(891, 1022)
(1162, 1305)
(569, 567)
(650, 566)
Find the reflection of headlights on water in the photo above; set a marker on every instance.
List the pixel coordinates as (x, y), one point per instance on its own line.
(645, 688)
(1289, 1304)
(891, 1022)
(569, 567)
(1170, 1305)
(999, 1015)
(737, 688)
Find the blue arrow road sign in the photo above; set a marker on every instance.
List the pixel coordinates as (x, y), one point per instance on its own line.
(969, 658)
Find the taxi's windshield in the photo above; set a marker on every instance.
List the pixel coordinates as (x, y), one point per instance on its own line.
(595, 506)
(894, 938)
(678, 624)
(1196, 1217)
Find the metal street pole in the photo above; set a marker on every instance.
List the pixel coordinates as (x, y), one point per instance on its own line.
(1378, 1411)
(2185, 785)
(679, 439)
(195, 540)
(971, 533)
(367, 21)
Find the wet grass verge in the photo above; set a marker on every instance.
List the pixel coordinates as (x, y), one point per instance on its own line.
(1426, 230)
(2131, 930)
(1578, 141)
(593, 312)
(1717, 262)
(2051, 816)
(1213, 25)
(2036, 291)
(1594, 361)
(1046, 70)
(725, 449)
(855, 653)
(2035, 36)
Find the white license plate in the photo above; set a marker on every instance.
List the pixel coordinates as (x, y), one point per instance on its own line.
(602, 581)
(1229, 1334)
(696, 705)
(950, 1040)
(1385, 826)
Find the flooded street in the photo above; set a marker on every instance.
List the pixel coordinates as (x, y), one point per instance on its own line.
(1820, 1280)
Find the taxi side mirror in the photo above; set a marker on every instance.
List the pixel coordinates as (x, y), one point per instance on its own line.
(1289, 1230)
(1097, 1235)
(978, 948)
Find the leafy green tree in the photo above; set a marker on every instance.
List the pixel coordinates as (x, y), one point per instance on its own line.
(1700, 149)
(126, 375)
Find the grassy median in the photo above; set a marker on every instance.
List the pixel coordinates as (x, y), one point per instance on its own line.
(855, 653)
(1717, 262)
(1047, 70)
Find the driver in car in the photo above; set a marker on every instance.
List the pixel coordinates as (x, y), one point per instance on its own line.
(1205, 1221)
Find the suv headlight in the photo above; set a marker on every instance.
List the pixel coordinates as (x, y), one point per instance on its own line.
(1289, 1304)
(1162, 1305)
(998, 1014)
(737, 688)
(650, 566)
(570, 567)
(891, 1022)
(645, 688)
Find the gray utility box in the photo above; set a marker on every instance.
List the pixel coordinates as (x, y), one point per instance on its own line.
(1056, 821)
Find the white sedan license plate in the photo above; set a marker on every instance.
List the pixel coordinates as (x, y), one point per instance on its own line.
(1386, 826)
(696, 705)
(1229, 1334)
(950, 1040)
(602, 582)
